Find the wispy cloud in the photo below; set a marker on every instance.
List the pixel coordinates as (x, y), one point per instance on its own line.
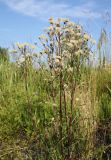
(47, 8)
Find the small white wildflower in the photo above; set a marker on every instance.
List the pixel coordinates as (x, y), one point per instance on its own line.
(86, 37)
(70, 45)
(77, 99)
(57, 61)
(43, 43)
(51, 34)
(50, 28)
(65, 86)
(92, 41)
(74, 42)
(42, 36)
(27, 54)
(13, 51)
(65, 20)
(51, 20)
(70, 24)
(52, 119)
(78, 27)
(78, 34)
(21, 59)
(59, 20)
(17, 44)
(67, 30)
(79, 52)
(46, 50)
(59, 58)
(58, 29)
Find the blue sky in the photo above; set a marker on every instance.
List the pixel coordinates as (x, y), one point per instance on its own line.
(24, 20)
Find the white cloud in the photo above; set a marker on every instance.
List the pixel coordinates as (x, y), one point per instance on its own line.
(48, 8)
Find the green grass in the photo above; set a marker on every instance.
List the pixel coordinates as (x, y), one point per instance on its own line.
(29, 121)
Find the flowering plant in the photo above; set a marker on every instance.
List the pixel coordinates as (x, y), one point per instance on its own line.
(66, 48)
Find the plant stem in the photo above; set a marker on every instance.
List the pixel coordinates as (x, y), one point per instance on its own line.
(61, 112)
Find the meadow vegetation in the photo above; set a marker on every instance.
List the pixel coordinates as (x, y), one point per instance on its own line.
(55, 103)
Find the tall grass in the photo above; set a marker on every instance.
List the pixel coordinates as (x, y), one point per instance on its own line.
(49, 116)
